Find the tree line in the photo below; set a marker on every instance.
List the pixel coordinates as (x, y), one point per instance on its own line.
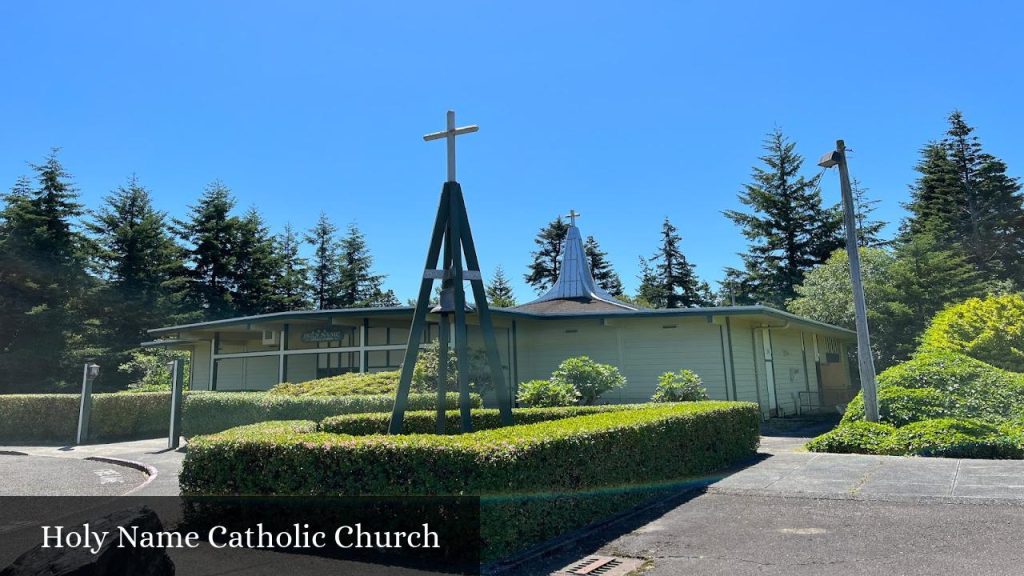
(81, 285)
(963, 236)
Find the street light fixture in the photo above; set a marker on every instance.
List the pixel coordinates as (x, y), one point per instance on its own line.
(865, 361)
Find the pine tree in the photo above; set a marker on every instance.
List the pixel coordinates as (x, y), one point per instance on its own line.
(210, 234)
(359, 287)
(788, 228)
(548, 256)
(43, 282)
(499, 290)
(325, 271)
(672, 282)
(868, 231)
(254, 289)
(964, 198)
(140, 264)
(601, 269)
(292, 286)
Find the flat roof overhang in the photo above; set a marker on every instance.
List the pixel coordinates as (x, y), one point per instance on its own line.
(251, 322)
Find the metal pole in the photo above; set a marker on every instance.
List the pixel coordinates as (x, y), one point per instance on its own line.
(865, 361)
(85, 409)
(177, 386)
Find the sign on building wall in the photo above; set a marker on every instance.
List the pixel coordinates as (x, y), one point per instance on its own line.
(321, 335)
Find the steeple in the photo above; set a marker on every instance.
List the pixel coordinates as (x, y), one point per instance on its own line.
(575, 282)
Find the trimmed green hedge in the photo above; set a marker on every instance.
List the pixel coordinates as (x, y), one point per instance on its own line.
(351, 384)
(53, 418)
(940, 437)
(853, 438)
(957, 386)
(990, 329)
(538, 480)
(424, 422)
(211, 412)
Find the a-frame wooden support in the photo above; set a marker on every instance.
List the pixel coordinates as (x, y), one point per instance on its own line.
(451, 228)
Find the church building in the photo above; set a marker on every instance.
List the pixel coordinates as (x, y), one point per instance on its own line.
(784, 363)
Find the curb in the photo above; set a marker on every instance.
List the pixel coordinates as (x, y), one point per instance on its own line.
(12, 453)
(150, 471)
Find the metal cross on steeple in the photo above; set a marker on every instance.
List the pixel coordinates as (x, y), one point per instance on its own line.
(573, 215)
(450, 135)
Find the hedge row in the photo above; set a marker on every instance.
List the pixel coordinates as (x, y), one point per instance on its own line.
(211, 412)
(941, 437)
(563, 473)
(353, 383)
(54, 417)
(425, 422)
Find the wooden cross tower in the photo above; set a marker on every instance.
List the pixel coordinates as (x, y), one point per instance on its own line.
(453, 234)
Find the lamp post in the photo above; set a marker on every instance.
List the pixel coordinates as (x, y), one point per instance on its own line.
(89, 373)
(864, 360)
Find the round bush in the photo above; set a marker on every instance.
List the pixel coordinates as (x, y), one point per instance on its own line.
(589, 378)
(546, 393)
(989, 329)
(853, 438)
(951, 438)
(682, 386)
(898, 405)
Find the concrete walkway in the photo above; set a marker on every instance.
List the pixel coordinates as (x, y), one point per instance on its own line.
(160, 464)
(785, 470)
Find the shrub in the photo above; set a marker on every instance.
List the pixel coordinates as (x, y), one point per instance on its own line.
(853, 438)
(682, 386)
(53, 418)
(544, 393)
(951, 438)
(424, 422)
(209, 412)
(589, 378)
(351, 384)
(989, 329)
(424, 375)
(149, 367)
(969, 388)
(899, 406)
(537, 480)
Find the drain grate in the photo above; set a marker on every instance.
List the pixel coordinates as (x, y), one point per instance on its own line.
(600, 566)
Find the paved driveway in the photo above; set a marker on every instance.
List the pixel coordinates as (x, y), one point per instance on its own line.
(47, 476)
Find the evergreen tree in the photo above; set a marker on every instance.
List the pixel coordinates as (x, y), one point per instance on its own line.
(499, 290)
(43, 282)
(254, 288)
(601, 269)
(548, 256)
(358, 286)
(292, 286)
(672, 282)
(210, 234)
(325, 272)
(965, 198)
(868, 231)
(140, 264)
(788, 228)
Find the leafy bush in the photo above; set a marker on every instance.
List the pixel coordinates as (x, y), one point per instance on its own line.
(150, 369)
(682, 386)
(952, 438)
(53, 418)
(424, 375)
(544, 393)
(899, 406)
(969, 388)
(589, 378)
(424, 422)
(853, 438)
(570, 462)
(209, 412)
(351, 384)
(989, 329)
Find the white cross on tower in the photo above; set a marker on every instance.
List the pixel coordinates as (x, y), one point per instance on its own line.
(573, 215)
(450, 134)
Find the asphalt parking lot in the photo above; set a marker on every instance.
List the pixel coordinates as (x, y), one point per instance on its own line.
(50, 476)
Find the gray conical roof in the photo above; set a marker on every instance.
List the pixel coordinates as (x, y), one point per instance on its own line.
(575, 280)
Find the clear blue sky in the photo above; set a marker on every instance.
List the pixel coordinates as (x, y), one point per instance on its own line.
(625, 111)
